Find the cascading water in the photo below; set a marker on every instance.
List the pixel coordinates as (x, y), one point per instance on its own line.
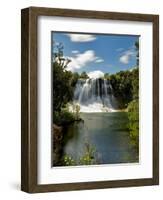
(94, 95)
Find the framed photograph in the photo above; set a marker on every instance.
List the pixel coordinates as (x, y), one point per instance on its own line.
(90, 99)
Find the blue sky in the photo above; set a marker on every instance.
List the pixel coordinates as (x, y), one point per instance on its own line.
(97, 52)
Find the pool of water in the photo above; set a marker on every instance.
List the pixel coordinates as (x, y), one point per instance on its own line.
(107, 133)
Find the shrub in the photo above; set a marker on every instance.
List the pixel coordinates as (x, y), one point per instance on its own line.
(133, 116)
(68, 160)
(63, 117)
(88, 157)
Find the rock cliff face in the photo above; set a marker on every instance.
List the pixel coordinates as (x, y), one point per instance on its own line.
(57, 144)
(57, 132)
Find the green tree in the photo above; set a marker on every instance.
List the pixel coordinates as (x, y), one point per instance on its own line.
(106, 75)
(84, 75)
(122, 87)
(137, 54)
(135, 83)
(62, 89)
(133, 116)
(75, 77)
(125, 86)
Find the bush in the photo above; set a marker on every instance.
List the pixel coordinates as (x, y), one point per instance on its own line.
(68, 161)
(88, 157)
(125, 86)
(133, 116)
(63, 117)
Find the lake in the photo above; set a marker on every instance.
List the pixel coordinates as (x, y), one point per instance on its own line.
(107, 133)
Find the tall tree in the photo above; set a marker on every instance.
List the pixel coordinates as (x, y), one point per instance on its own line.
(137, 52)
(62, 89)
(84, 75)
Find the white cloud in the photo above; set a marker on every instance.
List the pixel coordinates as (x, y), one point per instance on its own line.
(124, 59)
(75, 51)
(96, 74)
(81, 37)
(126, 56)
(80, 60)
(120, 49)
(99, 60)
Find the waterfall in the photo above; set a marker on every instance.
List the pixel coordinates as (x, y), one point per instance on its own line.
(98, 88)
(94, 95)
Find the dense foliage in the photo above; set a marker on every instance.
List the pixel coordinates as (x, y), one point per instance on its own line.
(84, 75)
(125, 86)
(64, 82)
(133, 125)
(62, 90)
(63, 117)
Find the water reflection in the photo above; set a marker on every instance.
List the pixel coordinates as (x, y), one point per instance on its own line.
(106, 133)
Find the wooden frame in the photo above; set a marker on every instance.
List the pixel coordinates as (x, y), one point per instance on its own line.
(29, 99)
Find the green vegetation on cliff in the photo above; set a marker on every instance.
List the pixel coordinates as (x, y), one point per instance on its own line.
(133, 125)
